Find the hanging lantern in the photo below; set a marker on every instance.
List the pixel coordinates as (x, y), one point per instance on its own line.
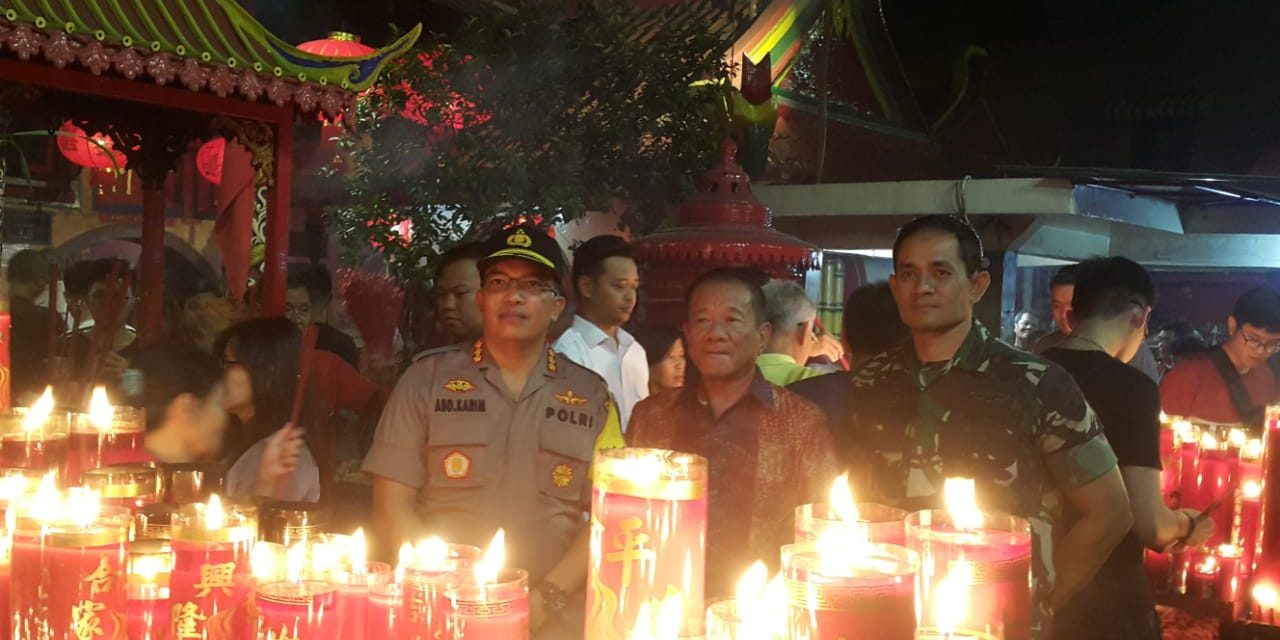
(97, 152)
(338, 45)
(209, 159)
(403, 232)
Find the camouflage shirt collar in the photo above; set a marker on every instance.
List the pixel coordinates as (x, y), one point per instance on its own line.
(972, 355)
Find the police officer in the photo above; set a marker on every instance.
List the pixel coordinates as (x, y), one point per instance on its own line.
(501, 432)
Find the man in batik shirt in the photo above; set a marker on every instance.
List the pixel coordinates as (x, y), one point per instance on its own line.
(958, 402)
(768, 450)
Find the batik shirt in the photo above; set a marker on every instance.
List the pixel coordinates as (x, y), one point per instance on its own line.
(1013, 421)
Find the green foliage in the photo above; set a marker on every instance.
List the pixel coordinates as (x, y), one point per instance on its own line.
(563, 108)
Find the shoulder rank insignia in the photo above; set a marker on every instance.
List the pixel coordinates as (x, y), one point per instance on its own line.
(551, 360)
(457, 466)
(477, 352)
(570, 398)
(562, 475)
(458, 385)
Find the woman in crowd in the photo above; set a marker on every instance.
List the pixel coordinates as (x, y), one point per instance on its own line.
(665, 351)
(260, 366)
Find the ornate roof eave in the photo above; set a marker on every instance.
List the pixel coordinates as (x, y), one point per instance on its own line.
(207, 45)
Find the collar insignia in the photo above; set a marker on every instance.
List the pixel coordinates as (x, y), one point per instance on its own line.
(458, 385)
(477, 353)
(570, 398)
(551, 360)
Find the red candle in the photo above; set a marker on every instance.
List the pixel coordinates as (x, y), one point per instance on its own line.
(104, 436)
(386, 612)
(870, 596)
(998, 547)
(211, 580)
(648, 538)
(149, 564)
(1203, 576)
(128, 486)
(1266, 562)
(6, 370)
(1189, 456)
(491, 610)
(1170, 462)
(1245, 527)
(758, 611)
(35, 437)
(949, 610)
(4, 584)
(295, 611)
(425, 579)
(882, 523)
(1216, 481)
(83, 575)
(1231, 577)
(351, 605)
(1251, 461)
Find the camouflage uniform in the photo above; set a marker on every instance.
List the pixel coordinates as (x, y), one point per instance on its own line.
(1011, 420)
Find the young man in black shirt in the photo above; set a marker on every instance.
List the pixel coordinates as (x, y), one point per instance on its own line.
(1110, 310)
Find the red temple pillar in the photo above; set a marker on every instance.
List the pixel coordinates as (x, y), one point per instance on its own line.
(275, 264)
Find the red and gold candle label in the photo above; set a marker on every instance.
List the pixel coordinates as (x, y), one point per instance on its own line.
(85, 594)
(841, 612)
(209, 591)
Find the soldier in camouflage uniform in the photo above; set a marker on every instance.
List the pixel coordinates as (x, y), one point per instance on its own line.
(959, 402)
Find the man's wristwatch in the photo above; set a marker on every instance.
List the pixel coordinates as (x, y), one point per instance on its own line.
(554, 599)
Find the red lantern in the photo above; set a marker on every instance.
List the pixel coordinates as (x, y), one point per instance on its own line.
(338, 45)
(209, 159)
(404, 229)
(97, 152)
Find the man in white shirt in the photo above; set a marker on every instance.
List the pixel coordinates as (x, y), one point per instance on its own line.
(606, 280)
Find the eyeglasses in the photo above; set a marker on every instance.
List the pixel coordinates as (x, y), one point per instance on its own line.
(1256, 343)
(526, 286)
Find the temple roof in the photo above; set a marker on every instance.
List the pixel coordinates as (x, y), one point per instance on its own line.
(207, 45)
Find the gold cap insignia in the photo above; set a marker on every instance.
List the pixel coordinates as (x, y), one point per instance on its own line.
(562, 475)
(570, 398)
(458, 385)
(519, 239)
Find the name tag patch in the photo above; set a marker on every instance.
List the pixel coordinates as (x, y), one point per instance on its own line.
(459, 405)
(576, 418)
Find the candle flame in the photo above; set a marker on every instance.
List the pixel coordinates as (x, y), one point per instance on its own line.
(13, 487)
(100, 409)
(962, 503)
(1252, 449)
(1208, 441)
(264, 562)
(82, 507)
(1209, 565)
(46, 503)
(358, 552)
(1237, 438)
(762, 605)
(1184, 429)
(406, 559)
(491, 562)
(294, 560)
(214, 517)
(1228, 550)
(432, 553)
(39, 412)
(751, 585)
(148, 567)
(1252, 489)
(951, 598)
(842, 502)
(664, 626)
(1265, 595)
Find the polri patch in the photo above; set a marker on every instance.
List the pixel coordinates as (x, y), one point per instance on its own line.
(457, 465)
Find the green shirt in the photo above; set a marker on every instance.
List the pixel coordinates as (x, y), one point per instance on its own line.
(781, 369)
(1013, 421)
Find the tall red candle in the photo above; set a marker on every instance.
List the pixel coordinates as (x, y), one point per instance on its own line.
(351, 597)
(83, 575)
(296, 611)
(1170, 461)
(150, 562)
(1189, 457)
(386, 611)
(1216, 483)
(211, 580)
(497, 610)
(873, 598)
(1267, 561)
(106, 435)
(648, 538)
(425, 579)
(999, 549)
(1245, 527)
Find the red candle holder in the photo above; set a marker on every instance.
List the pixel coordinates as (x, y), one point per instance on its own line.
(77, 586)
(101, 440)
(295, 610)
(1203, 574)
(386, 611)
(1000, 554)
(874, 597)
(1217, 480)
(128, 486)
(883, 523)
(425, 580)
(41, 446)
(1231, 578)
(727, 619)
(1188, 463)
(211, 580)
(648, 538)
(1266, 562)
(150, 562)
(496, 610)
(351, 598)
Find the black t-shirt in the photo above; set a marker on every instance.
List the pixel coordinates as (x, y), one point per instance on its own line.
(1127, 403)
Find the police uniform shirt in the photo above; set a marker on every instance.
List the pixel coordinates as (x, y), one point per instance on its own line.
(482, 459)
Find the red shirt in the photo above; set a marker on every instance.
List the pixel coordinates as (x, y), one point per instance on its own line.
(1195, 389)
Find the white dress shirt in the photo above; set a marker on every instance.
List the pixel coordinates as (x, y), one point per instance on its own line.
(622, 363)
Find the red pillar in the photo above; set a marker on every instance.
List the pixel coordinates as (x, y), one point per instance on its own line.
(276, 262)
(151, 263)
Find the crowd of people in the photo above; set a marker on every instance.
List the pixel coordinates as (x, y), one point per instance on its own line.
(499, 425)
